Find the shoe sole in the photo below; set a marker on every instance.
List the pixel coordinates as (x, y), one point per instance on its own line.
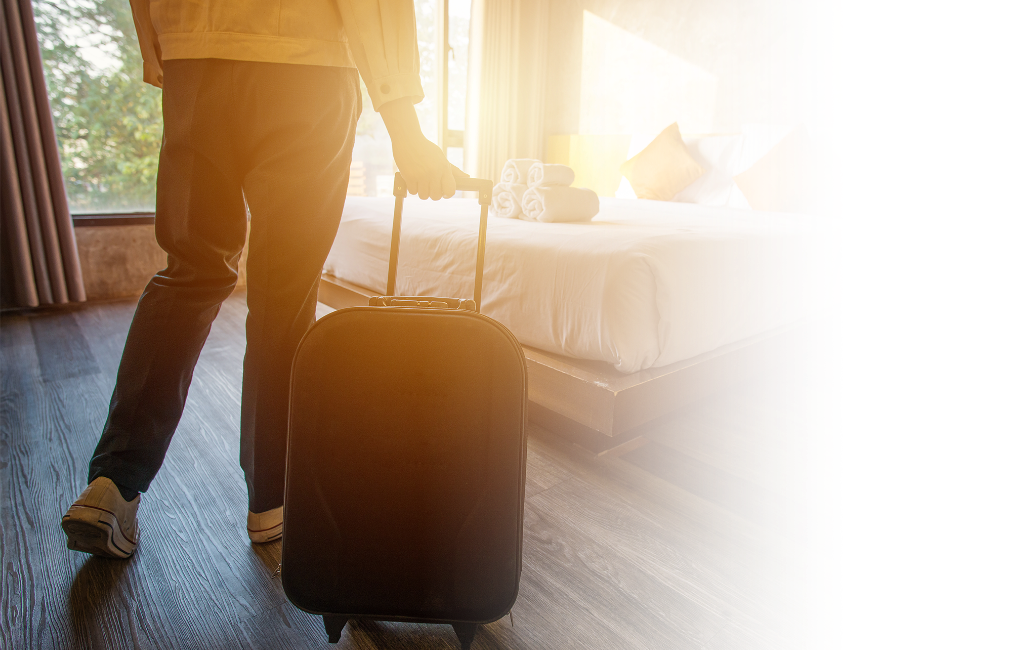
(96, 531)
(267, 535)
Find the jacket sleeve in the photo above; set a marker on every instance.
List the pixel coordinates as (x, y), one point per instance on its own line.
(150, 50)
(382, 37)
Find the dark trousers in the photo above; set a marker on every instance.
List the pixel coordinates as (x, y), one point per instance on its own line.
(281, 137)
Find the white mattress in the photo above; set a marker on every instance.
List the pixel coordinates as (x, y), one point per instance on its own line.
(645, 284)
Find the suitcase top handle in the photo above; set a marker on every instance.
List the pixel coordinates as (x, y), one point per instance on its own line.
(422, 302)
(484, 190)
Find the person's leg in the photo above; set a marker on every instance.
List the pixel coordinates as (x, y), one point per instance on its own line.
(200, 222)
(301, 124)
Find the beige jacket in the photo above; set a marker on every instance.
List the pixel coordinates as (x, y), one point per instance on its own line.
(376, 36)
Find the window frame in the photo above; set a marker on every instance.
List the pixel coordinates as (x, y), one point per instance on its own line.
(447, 137)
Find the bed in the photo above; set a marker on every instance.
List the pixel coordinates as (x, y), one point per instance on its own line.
(623, 319)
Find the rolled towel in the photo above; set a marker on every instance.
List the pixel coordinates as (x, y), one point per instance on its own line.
(507, 199)
(549, 174)
(553, 203)
(515, 170)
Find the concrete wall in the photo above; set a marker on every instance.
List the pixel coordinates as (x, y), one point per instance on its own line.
(756, 50)
(118, 261)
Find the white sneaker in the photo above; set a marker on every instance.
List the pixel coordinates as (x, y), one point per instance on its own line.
(265, 526)
(102, 522)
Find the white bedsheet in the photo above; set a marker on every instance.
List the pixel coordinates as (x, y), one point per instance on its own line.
(644, 284)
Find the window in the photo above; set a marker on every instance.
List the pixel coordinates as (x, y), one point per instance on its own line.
(440, 116)
(459, 32)
(109, 123)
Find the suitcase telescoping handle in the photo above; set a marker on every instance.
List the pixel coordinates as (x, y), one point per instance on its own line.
(484, 190)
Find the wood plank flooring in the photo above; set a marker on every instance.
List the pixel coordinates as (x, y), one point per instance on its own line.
(671, 546)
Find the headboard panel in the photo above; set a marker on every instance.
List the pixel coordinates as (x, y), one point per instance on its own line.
(594, 158)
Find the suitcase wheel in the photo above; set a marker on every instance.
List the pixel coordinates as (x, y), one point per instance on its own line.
(334, 625)
(465, 633)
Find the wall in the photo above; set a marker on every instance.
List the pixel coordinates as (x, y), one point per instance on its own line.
(754, 51)
(118, 261)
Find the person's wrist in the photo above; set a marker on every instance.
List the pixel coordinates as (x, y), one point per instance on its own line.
(401, 120)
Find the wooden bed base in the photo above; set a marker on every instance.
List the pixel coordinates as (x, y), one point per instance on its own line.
(599, 408)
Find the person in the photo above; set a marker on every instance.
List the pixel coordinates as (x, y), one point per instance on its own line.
(260, 104)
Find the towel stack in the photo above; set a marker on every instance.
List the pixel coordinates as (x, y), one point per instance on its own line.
(535, 191)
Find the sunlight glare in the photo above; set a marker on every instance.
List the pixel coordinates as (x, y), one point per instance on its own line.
(631, 86)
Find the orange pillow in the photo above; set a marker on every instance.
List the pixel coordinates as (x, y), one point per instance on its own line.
(663, 169)
(788, 178)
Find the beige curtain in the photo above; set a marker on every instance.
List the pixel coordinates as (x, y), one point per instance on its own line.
(40, 263)
(507, 68)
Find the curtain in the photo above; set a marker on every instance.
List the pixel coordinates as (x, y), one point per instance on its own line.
(36, 231)
(507, 68)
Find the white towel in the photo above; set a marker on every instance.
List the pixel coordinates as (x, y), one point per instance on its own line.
(507, 199)
(515, 170)
(553, 203)
(548, 174)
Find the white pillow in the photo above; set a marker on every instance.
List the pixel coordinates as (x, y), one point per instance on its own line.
(759, 140)
(723, 157)
(625, 190)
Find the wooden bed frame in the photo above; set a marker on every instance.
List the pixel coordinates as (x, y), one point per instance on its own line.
(599, 408)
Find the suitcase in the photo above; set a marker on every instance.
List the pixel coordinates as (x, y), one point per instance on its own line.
(407, 450)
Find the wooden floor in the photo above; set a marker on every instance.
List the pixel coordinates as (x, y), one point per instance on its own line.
(690, 541)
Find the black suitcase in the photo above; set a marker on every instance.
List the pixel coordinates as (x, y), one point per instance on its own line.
(407, 451)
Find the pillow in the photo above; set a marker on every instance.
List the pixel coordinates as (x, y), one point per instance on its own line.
(758, 141)
(787, 178)
(625, 190)
(663, 169)
(723, 155)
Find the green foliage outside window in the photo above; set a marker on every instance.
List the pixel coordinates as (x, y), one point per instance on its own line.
(108, 122)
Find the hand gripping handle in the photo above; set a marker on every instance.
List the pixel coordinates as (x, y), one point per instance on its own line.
(484, 190)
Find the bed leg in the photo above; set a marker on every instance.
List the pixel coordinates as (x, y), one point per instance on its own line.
(465, 633)
(334, 625)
